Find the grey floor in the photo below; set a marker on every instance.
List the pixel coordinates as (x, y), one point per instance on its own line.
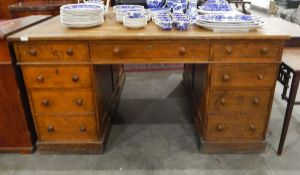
(153, 134)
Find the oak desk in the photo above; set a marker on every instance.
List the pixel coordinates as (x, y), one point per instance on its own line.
(74, 81)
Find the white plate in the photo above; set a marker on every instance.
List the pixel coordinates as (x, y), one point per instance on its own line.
(229, 28)
(83, 25)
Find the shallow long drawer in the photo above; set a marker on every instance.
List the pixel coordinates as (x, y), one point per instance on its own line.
(53, 51)
(57, 76)
(243, 75)
(63, 101)
(66, 128)
(257, 50)
(152, 51)
(239, 101)
(236, 127)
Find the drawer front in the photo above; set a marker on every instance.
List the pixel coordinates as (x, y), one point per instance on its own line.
(239, 101)
(58, 51)
(63, 102)
(57, 76)
(137, 51)
(69, 128)
(244, 75)
(236, 127)
(241, 50)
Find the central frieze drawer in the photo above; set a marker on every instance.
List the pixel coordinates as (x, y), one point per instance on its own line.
(58, 51)
(243, 75)
(57, 76)
(235, 127)
(63, 102)
(241, 101)
(241, 50)
(151, 50)
(67, 128)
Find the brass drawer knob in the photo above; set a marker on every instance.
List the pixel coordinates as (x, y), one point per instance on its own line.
(40, 79)
(228, 50)
(223, 101)
(50, 128)
(79, 102)
(75, 78)
(264, 50)
(117, 51)
(260, 77)
(226, 77)
(70, 51)
(32, 52)
(220, 128)
(45, 103)
(182, 51)
(256, 101)
(82, 129)
(252, 128)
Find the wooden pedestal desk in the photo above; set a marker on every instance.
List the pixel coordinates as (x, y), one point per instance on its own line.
(15, 135)
(73, 79)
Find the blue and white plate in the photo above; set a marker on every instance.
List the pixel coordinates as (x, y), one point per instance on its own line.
(82, 15)
(223, 18)
(118, 7)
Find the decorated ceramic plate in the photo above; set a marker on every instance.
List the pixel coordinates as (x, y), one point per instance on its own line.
(223, 18)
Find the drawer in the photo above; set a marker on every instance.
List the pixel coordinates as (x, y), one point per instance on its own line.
(57, 76)
(244, 75)
(66, 128)
(236, 128)
(153, 51)
(63, 102)
(240, 101)
(58, 51)
(246, 50)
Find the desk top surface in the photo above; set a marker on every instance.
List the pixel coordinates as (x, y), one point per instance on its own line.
(113, 30)
(10, 26)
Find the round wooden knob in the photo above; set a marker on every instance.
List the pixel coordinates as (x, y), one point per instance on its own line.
(75, 78)
(256, 101)
(228, 50)
(260, 77)
(70, 51)
(82, 129)
(79, 102)
(252, 128)
(45, 103)
(40, 79)
(182, 51)
(223, 101)
(264, 50)
(32, 52)
(220, 128)
(50, 128)
(226, 77)
(117, 51)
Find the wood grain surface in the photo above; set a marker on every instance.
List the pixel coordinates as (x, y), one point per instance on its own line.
(113, 30)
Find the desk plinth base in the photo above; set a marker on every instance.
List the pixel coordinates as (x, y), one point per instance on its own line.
(70, 147)
(21, 150)
(212, 147)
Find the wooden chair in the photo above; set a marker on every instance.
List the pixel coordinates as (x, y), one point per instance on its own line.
(289, 71)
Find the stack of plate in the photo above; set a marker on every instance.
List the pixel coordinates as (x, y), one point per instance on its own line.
(229, 22)
(82, 15)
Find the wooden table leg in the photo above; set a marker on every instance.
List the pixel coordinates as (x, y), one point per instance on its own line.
(289, 110)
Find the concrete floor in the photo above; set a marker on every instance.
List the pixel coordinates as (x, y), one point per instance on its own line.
(153, 134)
